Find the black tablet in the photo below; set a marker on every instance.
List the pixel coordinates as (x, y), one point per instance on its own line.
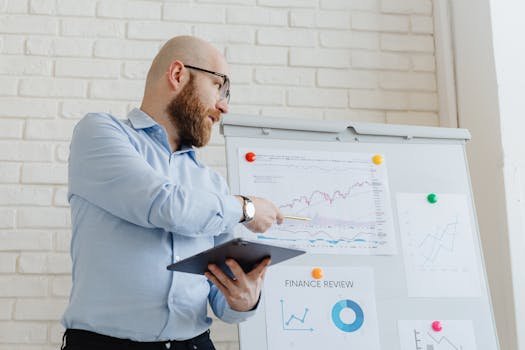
(247, 254)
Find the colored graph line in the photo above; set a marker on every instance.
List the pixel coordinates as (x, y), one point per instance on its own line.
(355, 239)
(294, 317)
(324, 196)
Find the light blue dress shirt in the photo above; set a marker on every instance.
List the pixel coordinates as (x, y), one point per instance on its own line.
(137, 207)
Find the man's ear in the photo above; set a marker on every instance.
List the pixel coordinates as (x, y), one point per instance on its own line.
(175, 74)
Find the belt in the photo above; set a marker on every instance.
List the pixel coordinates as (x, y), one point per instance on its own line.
(83, 337)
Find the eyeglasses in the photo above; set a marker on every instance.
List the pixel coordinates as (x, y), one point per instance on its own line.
(224, 90)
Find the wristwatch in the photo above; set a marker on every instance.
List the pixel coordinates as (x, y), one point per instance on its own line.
(248, 210)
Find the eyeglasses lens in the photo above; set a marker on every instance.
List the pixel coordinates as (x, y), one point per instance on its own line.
(225, 89)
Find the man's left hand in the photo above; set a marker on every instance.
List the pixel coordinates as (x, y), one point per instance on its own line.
(242, 293)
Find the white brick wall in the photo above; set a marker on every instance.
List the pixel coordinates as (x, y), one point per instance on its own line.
(368, 60)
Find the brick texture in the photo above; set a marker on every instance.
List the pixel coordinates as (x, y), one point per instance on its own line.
(364, 60)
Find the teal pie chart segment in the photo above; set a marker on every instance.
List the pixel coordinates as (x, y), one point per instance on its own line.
(339, 323)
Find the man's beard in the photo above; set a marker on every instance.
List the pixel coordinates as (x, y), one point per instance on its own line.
(190, 117)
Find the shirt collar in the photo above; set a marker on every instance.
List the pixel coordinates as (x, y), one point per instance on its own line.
(140, 120)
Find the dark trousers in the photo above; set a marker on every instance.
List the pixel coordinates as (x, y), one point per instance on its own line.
(76, 339)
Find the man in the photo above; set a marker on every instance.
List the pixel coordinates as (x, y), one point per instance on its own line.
(140, 201)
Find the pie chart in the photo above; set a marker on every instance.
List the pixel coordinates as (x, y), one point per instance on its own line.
(338, 321)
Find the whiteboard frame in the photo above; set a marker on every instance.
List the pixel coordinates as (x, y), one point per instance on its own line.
(237, 127)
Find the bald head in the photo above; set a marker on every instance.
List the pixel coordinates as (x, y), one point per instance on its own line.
(185, 100)
(189, 50)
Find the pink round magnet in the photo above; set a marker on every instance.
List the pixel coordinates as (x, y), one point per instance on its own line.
(436, 326)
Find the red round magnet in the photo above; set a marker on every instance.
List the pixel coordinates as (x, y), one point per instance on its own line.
(250, 156)
(436, 326)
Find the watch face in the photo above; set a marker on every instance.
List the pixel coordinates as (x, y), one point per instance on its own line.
(250, 210)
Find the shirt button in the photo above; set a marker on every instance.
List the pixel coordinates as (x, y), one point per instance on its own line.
(168, 345)
(177, 258)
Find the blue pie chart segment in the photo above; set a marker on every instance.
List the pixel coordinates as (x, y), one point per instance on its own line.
(339, 323)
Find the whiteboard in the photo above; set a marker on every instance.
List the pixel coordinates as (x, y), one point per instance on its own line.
(420, 160)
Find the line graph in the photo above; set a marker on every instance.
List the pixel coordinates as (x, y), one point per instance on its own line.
(434, 240)
(422, 344)
(345, 195)
(288, 326)
(434, 243)
(318, 196)
(438, 246)
(455, 335)
(359, 237)
(442, 340)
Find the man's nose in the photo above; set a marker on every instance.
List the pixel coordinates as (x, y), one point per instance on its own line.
(222, 105)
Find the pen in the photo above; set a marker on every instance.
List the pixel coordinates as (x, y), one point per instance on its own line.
(296, 217)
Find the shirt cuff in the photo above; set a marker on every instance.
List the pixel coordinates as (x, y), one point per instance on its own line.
(232, 212)
(232, 316)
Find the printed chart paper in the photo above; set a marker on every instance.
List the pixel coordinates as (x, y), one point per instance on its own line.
(307, 314)
(345, 194)
(438, 246)
(419, 335)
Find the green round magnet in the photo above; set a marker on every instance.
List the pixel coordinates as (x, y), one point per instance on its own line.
(432, 198)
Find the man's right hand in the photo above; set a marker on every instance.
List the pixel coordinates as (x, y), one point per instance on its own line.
(266, 214)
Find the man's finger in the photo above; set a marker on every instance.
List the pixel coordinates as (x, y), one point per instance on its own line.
(278, 215)
(237, 270)
(221, 276)
(263, 274)
(279, 218)
(259, 269)
(217, 283)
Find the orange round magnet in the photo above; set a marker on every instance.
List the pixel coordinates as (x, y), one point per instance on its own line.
(317, 273)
